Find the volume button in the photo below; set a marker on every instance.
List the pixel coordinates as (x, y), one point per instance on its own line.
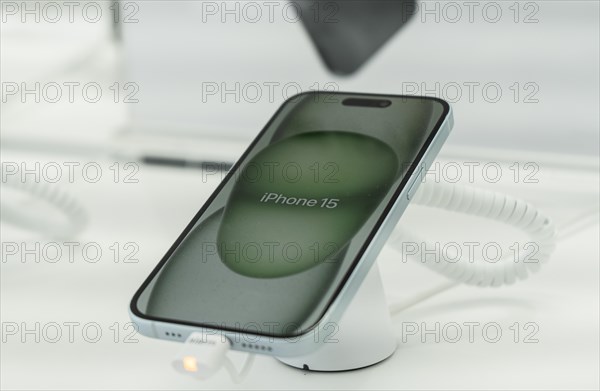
(414, 185)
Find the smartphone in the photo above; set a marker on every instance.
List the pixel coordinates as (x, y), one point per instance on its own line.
(282, 245)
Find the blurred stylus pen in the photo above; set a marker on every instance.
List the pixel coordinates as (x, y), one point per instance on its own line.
(175, 162)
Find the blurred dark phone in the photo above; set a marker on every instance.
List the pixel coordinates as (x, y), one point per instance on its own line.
(348, 32)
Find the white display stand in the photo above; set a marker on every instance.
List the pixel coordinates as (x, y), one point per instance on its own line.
(365, 336)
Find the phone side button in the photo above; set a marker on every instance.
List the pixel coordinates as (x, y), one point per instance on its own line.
(414, 185)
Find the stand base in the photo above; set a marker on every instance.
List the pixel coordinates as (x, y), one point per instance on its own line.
(364, 337)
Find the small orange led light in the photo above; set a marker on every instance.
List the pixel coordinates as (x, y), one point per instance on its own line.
(190, 364)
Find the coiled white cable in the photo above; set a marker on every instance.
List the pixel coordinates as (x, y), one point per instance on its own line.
(494, 206)
(42, 208)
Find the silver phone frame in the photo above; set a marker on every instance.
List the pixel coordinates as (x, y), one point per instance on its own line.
(308, 342)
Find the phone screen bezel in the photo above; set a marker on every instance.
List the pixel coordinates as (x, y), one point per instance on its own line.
(234, 168)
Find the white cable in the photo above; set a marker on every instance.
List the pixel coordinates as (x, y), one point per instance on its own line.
(579, 223)
(204, 354)
(494, 206)
(236, 376)
(402, 305)
(43, 208)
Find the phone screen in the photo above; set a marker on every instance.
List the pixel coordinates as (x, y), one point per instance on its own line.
(274, 244)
